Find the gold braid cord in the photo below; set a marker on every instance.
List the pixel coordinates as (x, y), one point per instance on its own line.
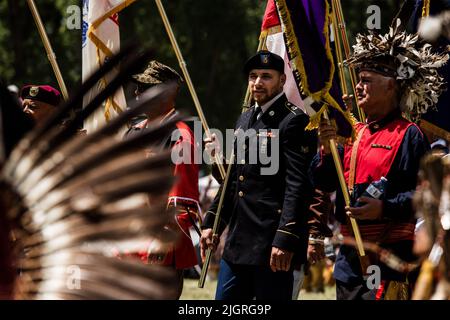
(298, 65)
(426, 8)
(102, 47)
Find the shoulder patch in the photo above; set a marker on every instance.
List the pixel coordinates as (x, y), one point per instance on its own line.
(290, 107)
(293, 108)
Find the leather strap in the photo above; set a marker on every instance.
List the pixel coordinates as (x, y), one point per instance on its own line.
(351, 182)
(193, 222)
(351, 177)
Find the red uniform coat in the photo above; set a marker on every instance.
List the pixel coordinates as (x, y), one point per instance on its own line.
(184, 194)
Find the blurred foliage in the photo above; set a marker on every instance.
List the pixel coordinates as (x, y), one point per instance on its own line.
(356, 15)
(23, 59)
(215, 38)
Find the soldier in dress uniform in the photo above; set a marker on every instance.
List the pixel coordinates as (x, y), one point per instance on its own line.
(266, 212)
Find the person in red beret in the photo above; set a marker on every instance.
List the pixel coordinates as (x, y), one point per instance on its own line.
(39, 101)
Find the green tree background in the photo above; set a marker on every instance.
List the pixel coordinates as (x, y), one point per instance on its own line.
(23, 58)
(215, 36)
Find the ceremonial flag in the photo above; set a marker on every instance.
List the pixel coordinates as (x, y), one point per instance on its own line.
(101, 39)
(272, 40)
(305, 25)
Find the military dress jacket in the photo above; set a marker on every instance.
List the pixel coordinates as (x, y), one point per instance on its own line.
(265, 210)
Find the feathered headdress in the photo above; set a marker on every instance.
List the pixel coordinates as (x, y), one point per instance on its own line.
(399, 55)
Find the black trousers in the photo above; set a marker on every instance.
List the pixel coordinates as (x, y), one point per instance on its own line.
(345, 291)
(243, 282)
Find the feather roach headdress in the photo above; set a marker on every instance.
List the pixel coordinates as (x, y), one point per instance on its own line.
(399, 55)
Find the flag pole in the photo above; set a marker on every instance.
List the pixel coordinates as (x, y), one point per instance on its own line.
(338, 18)
(215, 230)
(48, 48)
(339, 55)
(354, 224)
(338, 21)
(188, 79)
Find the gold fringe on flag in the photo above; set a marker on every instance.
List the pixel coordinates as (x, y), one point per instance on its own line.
(426, 8)
(109, 103)
(298, 65)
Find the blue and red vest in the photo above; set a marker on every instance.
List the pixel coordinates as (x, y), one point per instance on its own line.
(376, 152)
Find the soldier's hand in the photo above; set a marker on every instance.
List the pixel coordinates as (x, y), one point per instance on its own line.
(208, 240)
(327, 132)
(280, 260)
(371, 210)
(212, 146)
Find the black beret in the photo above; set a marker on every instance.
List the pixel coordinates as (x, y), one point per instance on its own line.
(264, 60)
(43, 93)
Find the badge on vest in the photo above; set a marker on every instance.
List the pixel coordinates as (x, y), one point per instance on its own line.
(376, 145)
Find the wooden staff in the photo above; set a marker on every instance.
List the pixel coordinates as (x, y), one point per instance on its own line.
(338, 22)
(353, 223)
(215, 230)
(48, 48)
(341, 38)
(188, 80)
(339, 54)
